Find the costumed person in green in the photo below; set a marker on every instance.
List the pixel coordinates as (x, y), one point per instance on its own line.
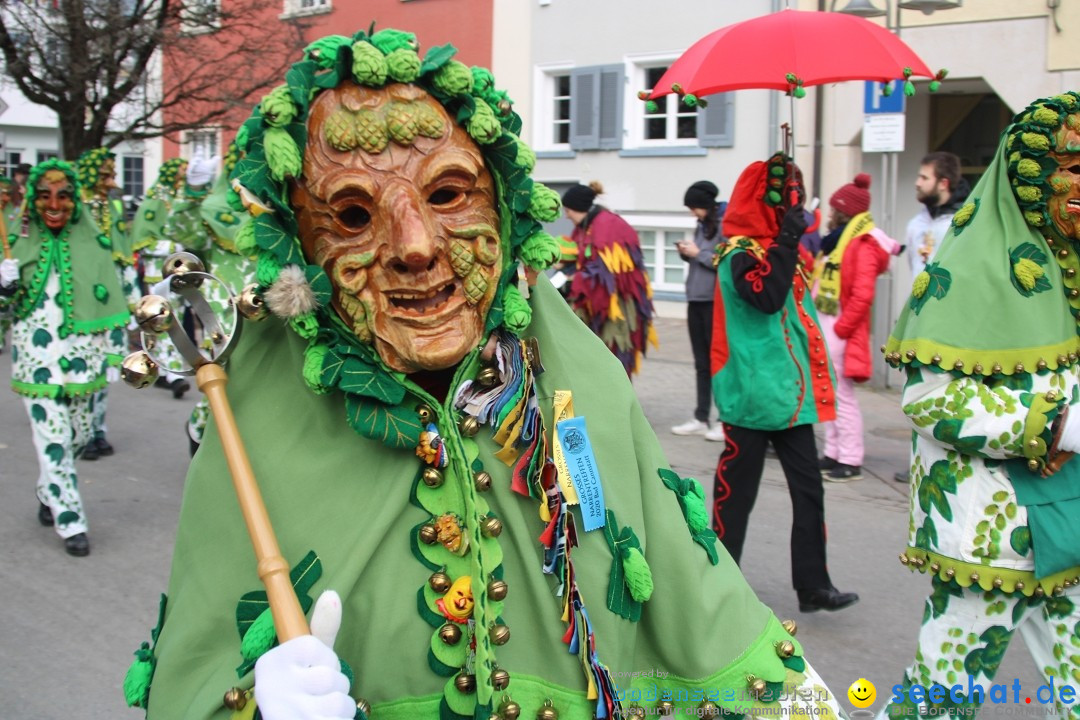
(401, 425)
(64, 295)
(994, 496)
(154, 245)
(772, 378)
(12, 217)
(204, 223)
(97, 177)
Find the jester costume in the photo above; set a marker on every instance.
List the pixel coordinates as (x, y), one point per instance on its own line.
(420, 495)
(66, 310)
(998, 538)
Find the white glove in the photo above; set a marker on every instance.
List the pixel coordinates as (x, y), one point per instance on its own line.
(9, 272)
(200, 171)
(1070, 431)
(302, 679)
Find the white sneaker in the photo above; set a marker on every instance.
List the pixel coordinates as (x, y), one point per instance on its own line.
(691, 427)
(715, 433)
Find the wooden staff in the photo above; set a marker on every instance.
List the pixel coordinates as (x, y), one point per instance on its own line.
(289, 620)
(3, 236)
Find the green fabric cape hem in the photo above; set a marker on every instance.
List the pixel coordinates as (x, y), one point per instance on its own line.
(920, 351)
(35, 390)
(966, 574)
(90, 327)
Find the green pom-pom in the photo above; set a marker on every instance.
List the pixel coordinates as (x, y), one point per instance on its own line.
(690, 100)
(544, 203)
(100, 292)
(651, 107)
(886, 89)
(324, 50)
(259, 636)
(245, 239)
(540, 251)
(909, 88)
(1036, 141)
(1029, 193)
(137, 678)
(800, 92)
(368, 65)
(391, 40)
(526, 158)
(306, 325)
(282, 155)
(105, 241)
(277, 107)
(516, 311)
(1028, 168)
(403, 65)
(314, 356)
(774, 197)
(453, 78)
(935, 85)
(483, 126)
(697, 517)
(637, 575)
(267, 269)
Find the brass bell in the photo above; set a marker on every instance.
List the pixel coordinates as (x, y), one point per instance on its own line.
(180, 264)
(431, 477)
(235, 699)
(500, 634)
(465, 682)
(509, 709)
(497, 589)
(139, 370)
(491, 527)
(950, 573)
(998, 582)
(250, 304)
(468, 426)
(665, 707)
(935, 567)
(936, 359)
(1033, 465)
(708, 709)
(153, 314)
(635, 711)
(482, 480)
(363, 706)
(495, 716)
(440, 582)
(974, 577)
(791, 627)
(547, 712)
(450, 634)
(1019, 368)
(1041, 365)
(428, 534)
(488, 377)
(425, 414)
(756, 686)
(996, 369)
(785, 648)
(1019, 584)
(978, 369)
(500, 679)
(1039, 592)
(504, 107)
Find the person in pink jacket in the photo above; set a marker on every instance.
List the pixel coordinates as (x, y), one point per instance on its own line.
(852, 256)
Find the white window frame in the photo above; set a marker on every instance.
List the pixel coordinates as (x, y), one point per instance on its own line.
(187, 150)
(634, 108)
(653, 255)
(297, 8)
(190, 27)
(544, 110)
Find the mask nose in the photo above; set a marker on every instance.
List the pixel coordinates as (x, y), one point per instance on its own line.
(414, 245)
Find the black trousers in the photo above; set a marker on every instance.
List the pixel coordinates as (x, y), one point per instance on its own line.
(738, 476)
(699, 323)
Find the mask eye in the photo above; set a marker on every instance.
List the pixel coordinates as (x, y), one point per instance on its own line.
(444, 196)
(354, 217)
(1074, 169)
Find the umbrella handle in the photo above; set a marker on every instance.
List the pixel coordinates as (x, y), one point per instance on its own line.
(289, 620)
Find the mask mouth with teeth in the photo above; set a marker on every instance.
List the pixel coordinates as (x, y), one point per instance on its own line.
(54, 198)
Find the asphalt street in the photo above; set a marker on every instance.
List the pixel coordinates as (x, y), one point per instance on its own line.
(71, 624)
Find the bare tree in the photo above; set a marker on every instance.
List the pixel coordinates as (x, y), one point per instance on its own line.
(115, 70)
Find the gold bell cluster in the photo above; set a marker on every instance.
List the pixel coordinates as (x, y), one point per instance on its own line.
(919, 563)
(896, 359)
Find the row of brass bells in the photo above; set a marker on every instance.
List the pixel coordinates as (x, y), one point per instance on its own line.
(469, 426)
(500, 634)
(153, 314)
(432, 477)
(497, 589)
(708, 709)
(139, 370)
(791, 627)
(180, 264)
(665, 707)
(547, 712)
(482, 480)
(500, 679)
(756, 686)
(785, 649)
(509, 709)
(450, 634)
(491, 527)
(440, 582)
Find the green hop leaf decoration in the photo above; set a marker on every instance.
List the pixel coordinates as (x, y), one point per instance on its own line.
(324, 50)
(282, 155)
(372, 133)
(1036, 141)
(403, 65)
(483, 80)
(369, 65)
(104, 241)
(453, 78)
(483, 126)
(651, 107)
(526, 158)
(1035, 219)
(277, 107)
(138, 676)
(245, 239)
(401, 122)
(922, 281)
(1046, 116)
(314, 356)
(963, 216)
(517, 313)
(1029, 193)
(391, 40)
(937, 285)
(544, 203)
(340, 130)
(1028, 275)
(540, 251)
(1028, 168)
(429, 122)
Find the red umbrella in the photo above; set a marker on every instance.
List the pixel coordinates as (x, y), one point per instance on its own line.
(789, 49)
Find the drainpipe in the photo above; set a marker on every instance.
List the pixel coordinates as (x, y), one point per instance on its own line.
(819, 119)
(774, 143)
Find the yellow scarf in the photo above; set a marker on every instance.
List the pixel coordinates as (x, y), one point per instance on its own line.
(827, 271)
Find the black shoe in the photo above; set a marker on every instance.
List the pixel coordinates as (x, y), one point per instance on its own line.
(44, 515)
(902, 477)
(90, 451)
(77, 545)
(163, 383)
(826, 463)
(179, 387)
(842, 473)
(826, 599)
(103, 447)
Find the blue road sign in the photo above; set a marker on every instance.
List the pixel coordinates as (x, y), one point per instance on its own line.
(874, 102)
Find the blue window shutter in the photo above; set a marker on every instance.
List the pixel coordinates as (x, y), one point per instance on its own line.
(716, 121)
(611, 107)
(585, 108)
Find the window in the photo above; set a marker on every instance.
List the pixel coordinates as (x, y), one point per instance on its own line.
(200, 16)
(659, 235)
(202, 142)
(43, 155)
(132, 180)
(12, 159)
(305, 7)
(560, 111)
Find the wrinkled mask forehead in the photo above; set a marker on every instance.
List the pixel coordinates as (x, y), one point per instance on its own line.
(55, 181)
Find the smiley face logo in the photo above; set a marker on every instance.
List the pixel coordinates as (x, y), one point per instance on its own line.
(862, 693)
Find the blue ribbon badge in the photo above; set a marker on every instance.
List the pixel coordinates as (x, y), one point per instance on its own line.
(581, 464)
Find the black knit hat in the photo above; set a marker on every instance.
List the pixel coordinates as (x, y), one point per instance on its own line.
(579, 197)
(701, 194)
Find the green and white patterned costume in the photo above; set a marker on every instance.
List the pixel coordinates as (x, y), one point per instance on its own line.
(67, 312)
(999, 539)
